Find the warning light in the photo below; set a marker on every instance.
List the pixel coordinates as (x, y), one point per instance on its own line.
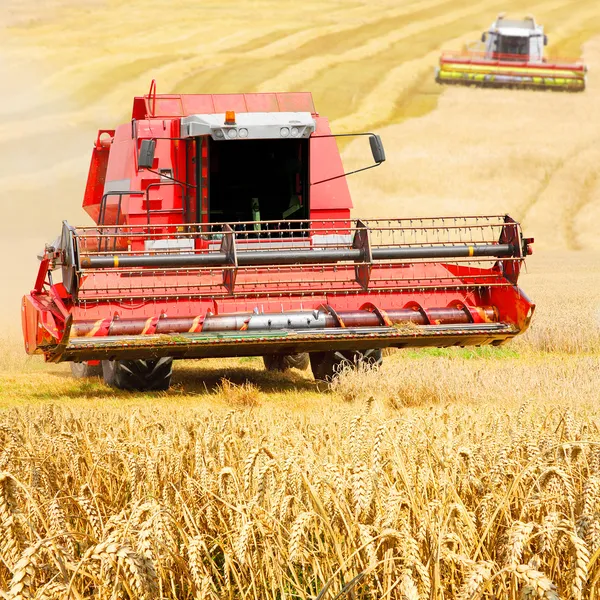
(230, 117)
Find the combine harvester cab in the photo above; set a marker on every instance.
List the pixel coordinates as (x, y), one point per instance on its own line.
(223, 228)
(512, 56)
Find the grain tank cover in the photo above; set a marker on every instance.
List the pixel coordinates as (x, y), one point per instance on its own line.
(524, 27)
(251, 125)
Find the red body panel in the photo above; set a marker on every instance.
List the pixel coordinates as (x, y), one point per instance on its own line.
(97, 176)
(182, 105)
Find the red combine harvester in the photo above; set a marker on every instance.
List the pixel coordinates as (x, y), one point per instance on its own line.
(223, 228)
(512, 56)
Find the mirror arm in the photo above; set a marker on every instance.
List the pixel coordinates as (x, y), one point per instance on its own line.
(349, 173)
(334, 135)
(330, 135)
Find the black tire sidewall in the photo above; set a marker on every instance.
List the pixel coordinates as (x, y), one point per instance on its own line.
(138, 375)
(283, 362)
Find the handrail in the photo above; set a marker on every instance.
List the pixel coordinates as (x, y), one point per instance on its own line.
(158, 184)
(102, 213)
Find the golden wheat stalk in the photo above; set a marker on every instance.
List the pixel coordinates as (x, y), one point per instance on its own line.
(12, 536)
(537, 582)
(139, 574)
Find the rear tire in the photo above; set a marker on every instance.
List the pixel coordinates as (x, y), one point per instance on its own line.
(83, 370)
(326, 366)
(283, 362)
(138, 375)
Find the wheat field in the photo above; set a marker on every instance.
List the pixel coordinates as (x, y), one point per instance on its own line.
(456, 502)
(448, 474)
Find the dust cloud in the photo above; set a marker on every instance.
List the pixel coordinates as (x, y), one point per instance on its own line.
(42, 175)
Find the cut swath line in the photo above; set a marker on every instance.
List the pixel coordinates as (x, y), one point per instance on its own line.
(589, 193)
(379, 106)
(315, 36)
(301, 73)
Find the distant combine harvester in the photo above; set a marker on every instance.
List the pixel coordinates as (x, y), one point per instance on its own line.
(512, 56)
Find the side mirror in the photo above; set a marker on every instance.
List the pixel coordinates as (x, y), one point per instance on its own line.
(545, 40)
(377, 148)
(146, 154)
(484, 37)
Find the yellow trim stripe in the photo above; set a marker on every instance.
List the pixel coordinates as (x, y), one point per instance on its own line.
(147, 325)
(195, 324)
(508, 70)
(95, 328)
(552, 81)
(471, 250)
(116, 261)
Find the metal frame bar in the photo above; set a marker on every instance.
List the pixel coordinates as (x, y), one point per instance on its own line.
(362, 247)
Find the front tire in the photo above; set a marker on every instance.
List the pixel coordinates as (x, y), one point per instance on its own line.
(283, 362)
(138, 375)
(326, 366)
(83, 370)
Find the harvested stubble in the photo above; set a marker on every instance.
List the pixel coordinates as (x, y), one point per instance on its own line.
(500, 375)
(446, 502)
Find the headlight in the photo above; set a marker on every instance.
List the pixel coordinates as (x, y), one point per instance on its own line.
(219, 133)
(243, 132)
(295, 131)
(232, 133)
(284, 131)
